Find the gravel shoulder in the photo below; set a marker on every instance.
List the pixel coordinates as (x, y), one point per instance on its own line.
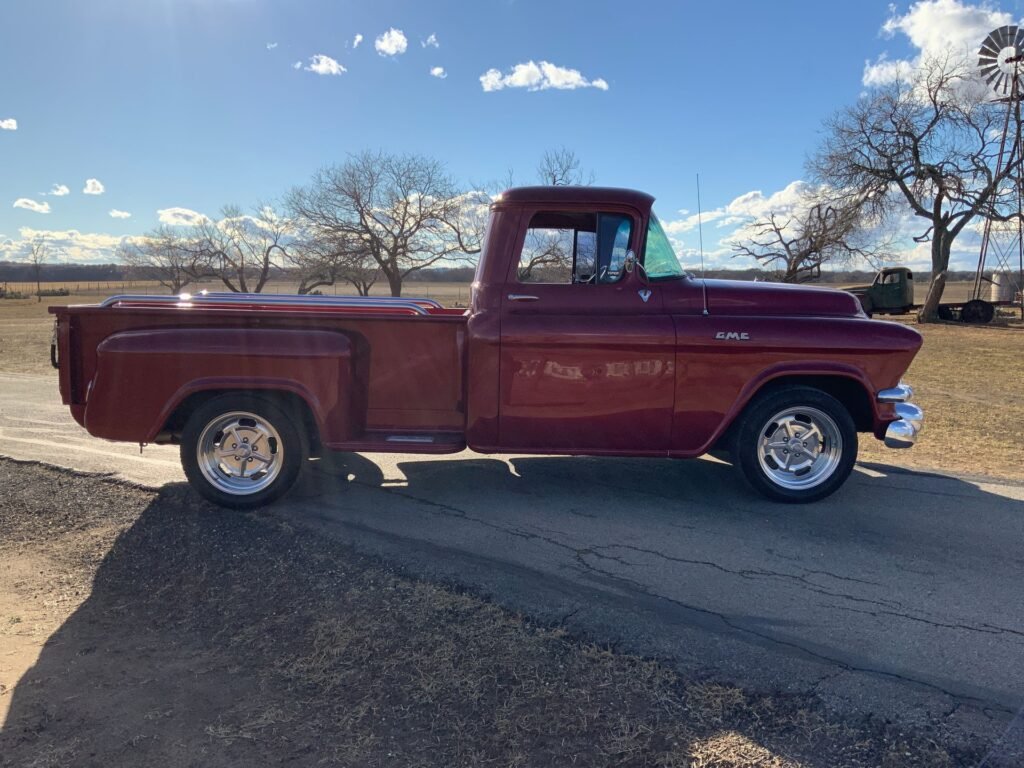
(143, 628)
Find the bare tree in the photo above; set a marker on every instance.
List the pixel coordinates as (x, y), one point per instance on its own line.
(819, 232)
(37, 257)
(320, 260)
(547, 255)
(560, 167)
(242, 250)
(929, 141)
(404, 211)
(165, 255)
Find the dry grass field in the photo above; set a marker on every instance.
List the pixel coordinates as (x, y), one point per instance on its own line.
(969, 380)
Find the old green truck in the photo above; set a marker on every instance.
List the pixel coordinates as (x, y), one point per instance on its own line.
(892, 293)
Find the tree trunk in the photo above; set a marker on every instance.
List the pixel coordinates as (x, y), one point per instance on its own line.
(394, 282)
(929, 312)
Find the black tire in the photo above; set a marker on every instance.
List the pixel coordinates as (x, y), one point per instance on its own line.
(289, 445)
(977, 312)
(839, 451)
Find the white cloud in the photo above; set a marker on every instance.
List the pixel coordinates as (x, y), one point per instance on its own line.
(356, 41)
(539, 77)
(935, 28)
(60, 190)
(8, 124)
(66, 245)
(93, 187)
(180, 217)
(31, 205)
(271, 46)
(391, 43)
(438, 72)
(324, 65)
(116, 214)
(430, 42)
(297, 65)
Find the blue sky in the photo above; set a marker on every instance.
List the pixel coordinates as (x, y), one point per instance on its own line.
(193, 104)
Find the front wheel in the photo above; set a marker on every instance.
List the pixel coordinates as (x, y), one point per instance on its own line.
(241, 451)
(795, 445)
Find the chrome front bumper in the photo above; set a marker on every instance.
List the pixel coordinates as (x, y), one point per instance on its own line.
(903, 432)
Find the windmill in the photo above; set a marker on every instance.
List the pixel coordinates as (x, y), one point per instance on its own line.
(1001, 65)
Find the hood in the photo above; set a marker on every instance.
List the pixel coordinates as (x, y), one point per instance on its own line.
(737, 297)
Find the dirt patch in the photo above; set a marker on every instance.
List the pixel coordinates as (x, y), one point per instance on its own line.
(151, 629)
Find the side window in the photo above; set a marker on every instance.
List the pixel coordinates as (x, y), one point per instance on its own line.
(566, 248)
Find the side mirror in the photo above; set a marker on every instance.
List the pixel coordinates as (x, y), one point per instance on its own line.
(630, 261)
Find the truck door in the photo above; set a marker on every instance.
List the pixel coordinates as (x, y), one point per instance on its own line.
(587, 351)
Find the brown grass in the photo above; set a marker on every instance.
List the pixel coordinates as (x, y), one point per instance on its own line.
(204, 638)
(970, 383)
(969, 380)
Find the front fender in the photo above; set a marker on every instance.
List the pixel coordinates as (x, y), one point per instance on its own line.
(717, 375)
(142, 376)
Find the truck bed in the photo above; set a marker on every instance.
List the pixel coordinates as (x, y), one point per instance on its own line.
(400, 382)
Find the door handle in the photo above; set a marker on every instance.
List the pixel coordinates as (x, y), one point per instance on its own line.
(521, 297)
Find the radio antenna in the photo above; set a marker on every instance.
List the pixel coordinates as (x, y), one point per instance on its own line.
(700, 235)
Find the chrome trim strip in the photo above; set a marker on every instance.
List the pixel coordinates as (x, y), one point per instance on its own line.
(409, 439)
(297, 301)
(317, 299)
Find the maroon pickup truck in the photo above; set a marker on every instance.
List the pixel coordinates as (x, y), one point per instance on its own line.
(583, 336)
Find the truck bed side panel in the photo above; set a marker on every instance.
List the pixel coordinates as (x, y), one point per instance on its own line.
(407, 372)
(142, 376)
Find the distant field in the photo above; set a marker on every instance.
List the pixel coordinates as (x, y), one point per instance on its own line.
(963, 375)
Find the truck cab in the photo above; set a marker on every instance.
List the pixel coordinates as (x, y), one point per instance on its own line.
(891, 292)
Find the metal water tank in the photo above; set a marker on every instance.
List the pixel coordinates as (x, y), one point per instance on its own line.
(1004, 285)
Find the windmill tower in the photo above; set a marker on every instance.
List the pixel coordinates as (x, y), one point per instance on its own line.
(1001, 64)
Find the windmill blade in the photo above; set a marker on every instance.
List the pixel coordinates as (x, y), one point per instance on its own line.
(1018, 38)
(989, 48)
(1003, 36)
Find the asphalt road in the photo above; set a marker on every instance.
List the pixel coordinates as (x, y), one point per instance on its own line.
(901, 595)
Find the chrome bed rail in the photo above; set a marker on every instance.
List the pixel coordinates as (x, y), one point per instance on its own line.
(278, 299)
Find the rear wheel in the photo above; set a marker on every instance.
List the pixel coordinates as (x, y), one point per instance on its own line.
(795, 445)
(242, 451)
(977, 311)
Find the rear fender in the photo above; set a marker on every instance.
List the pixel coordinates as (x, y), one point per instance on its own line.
(143, 376)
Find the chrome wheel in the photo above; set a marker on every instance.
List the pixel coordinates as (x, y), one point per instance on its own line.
(800, 448)
(240, 453)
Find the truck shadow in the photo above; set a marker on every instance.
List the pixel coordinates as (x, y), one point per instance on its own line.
(708, 490)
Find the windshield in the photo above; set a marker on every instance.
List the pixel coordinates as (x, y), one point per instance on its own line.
(660, 260)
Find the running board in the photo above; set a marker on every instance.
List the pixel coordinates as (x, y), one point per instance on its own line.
(404, 442)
